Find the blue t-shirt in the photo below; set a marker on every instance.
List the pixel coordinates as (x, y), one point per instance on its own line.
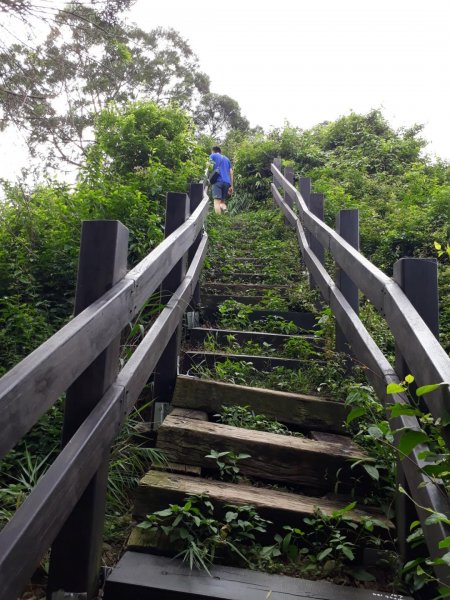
(222, 163)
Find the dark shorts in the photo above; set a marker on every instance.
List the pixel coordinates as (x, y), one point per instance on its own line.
(220, 190)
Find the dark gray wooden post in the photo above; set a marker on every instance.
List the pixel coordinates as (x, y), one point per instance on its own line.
(76, 552)
(305, 189)
(347, 226)
(289, 175)
(166, 371)
(418, 278)
(305, 192)
(195, 197)
(277, 162)
(316, 206)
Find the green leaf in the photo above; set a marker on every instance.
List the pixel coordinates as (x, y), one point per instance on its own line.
(355, 413)
(348, 553)
(411, 438)
(375, 432)
(445, 543)
(403, 409)
(409, 379)
(426, 389)
(372, 471)
(324, 553)
(437, 517)
(395, 388)
(164, 513)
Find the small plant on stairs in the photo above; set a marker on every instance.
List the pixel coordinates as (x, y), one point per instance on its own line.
(227, 463)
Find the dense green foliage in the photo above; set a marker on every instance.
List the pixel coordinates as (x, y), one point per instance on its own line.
(40, 228)
(140, 152)
(359, 161)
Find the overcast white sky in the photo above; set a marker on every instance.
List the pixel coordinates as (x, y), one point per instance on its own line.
(307, 61)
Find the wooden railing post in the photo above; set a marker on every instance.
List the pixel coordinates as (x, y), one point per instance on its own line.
(305, 192)
(277, 163)
(166, 371)
(195, 197)
(316, 206)
(76, 551)
(305, 189)
(347, 226)
(289, 175)
(418, 278)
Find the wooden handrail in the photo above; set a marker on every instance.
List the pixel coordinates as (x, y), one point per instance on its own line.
(426, 493)
(28, 535)
(30, 388)
(425, 356)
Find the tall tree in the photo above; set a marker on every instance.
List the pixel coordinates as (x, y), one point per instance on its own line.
(53, 91)
(217, 114)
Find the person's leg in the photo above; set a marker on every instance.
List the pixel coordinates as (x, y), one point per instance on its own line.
(223, 204)
(217, 196)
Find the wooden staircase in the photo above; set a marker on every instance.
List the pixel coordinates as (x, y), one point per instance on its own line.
(309, 469)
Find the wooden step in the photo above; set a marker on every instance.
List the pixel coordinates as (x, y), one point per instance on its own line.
(145, 577)
(252, 278)
(198, 335)
(210, 300)
(300, 461)
(243, 288)
(307, 412)
(158, 489)
(193, 358)
(305, 321)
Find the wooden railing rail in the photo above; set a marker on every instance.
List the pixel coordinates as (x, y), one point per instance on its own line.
(388, 297)
(35, 525)
(426, 358)
(29, 389)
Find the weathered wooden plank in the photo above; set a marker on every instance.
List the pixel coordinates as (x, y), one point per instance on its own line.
(308, 412)
(179, 468)
(146, 577)
(199, 415)
(421, 350)
(159, 489)
(249, 259)
(210, 300)
(196, 195)
(347, 226)
(380, 372)
(325, 436)
(243, 277)
(303, 320)
(165, 375)
(190, 359)
(363, 273)
(272, 457)
(25, 539)
(103, 262)
(29, 389)
(168, 253)
(198, 335)
(239, 287)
